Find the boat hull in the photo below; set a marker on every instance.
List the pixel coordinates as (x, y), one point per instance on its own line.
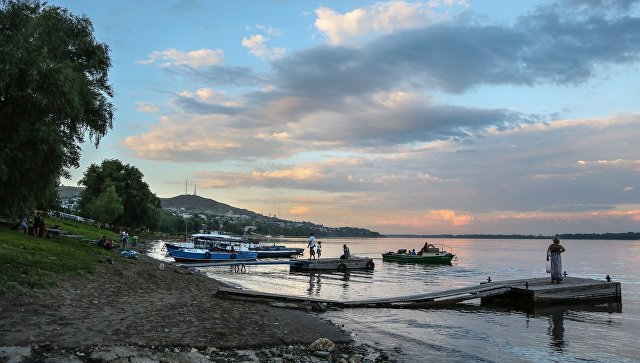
(277, 251)
(431, 258)
(189, 255)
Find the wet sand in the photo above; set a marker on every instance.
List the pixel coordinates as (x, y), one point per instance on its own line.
(135, 302)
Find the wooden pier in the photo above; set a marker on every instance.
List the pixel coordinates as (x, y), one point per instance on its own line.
(527, 292)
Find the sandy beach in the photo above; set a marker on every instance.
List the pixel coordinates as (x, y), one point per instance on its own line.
(143, 304)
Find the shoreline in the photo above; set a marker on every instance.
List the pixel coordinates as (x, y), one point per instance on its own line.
(143, 308)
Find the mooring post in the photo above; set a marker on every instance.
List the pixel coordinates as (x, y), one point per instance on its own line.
(489, 279)
(608, 278)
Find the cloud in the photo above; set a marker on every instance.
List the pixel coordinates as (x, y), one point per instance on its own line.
(433, 219)
(378, 121)
(299, 210)
(257, 45)
(377, 19)
(196, 58)
(147, 107)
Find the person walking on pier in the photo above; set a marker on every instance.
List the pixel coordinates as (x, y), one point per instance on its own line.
(553, 254)
(312, 246)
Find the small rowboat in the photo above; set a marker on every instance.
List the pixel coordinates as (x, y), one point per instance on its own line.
(429, 255)
(202, 255)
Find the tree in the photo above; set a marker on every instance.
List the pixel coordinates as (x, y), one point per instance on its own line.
(140, 206)
(107, 207)
(54, 92)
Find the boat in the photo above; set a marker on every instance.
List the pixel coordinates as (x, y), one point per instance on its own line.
(212, 241)
(204, 255)
(276, 251)
(429, 255)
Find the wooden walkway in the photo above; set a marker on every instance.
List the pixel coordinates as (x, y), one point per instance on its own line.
(535, 291)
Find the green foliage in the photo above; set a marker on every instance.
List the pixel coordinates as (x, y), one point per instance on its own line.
(27, 261)
(140, 206)
(107, 206)
(54, 92)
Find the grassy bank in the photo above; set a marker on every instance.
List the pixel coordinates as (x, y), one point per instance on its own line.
(27, 261)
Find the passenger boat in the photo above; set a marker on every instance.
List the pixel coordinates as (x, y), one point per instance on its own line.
(204, 255)
(429, 255)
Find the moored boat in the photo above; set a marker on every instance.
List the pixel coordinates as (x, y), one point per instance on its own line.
(428, 255)
(276, 251)
(204, 255)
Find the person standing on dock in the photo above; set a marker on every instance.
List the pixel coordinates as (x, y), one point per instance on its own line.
(312, 246)
(553, 254)
(319, 249)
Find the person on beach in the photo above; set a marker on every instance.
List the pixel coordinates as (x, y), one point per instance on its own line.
(36, 224)
(23, 225)
(102, 243)
(319, 249)
(345, 252)
(312, 246)
(553, 254)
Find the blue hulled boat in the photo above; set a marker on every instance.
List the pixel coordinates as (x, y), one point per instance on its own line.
(203, 255)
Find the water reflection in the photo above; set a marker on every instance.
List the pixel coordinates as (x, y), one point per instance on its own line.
(556, 331)
(314, 284)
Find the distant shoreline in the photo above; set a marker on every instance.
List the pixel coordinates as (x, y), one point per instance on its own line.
(598, 236)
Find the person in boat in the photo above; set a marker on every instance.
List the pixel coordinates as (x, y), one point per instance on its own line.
(312, 246)
(553, 254)
(413, 252)
(319, 249)
(345, 252)
(427, 246)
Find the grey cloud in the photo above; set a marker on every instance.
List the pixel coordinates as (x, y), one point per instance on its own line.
(578, 208)
(192, 105)
(551, 45)
(218, 76)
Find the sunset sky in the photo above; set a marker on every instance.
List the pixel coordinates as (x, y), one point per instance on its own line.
(443, 116)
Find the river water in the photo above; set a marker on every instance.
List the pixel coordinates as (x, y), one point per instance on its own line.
(470, 332)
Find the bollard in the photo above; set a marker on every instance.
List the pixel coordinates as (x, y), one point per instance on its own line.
(608, 278)
(489, 279)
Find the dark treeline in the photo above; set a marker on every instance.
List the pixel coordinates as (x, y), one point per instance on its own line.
(602, 236)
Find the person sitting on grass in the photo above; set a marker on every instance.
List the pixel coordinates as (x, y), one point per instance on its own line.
(109, 245)
(102, 243)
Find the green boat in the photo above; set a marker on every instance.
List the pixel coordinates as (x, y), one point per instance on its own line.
(430, 254)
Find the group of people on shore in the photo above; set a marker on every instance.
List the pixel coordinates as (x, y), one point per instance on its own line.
(315, 249)
(37, 228)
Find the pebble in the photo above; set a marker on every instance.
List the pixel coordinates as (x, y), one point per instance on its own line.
(343, 353)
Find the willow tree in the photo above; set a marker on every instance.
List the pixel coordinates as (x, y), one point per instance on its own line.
(54, 93)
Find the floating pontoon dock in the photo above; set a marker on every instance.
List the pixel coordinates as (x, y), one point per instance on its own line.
(333, 264)
(532, 292)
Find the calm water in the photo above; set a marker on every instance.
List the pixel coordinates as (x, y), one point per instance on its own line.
(600, 333)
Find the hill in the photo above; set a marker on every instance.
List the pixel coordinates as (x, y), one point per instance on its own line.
(224, 215)
(67, 192)
(196, 204)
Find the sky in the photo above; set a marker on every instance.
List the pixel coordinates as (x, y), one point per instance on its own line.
(423, 117)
